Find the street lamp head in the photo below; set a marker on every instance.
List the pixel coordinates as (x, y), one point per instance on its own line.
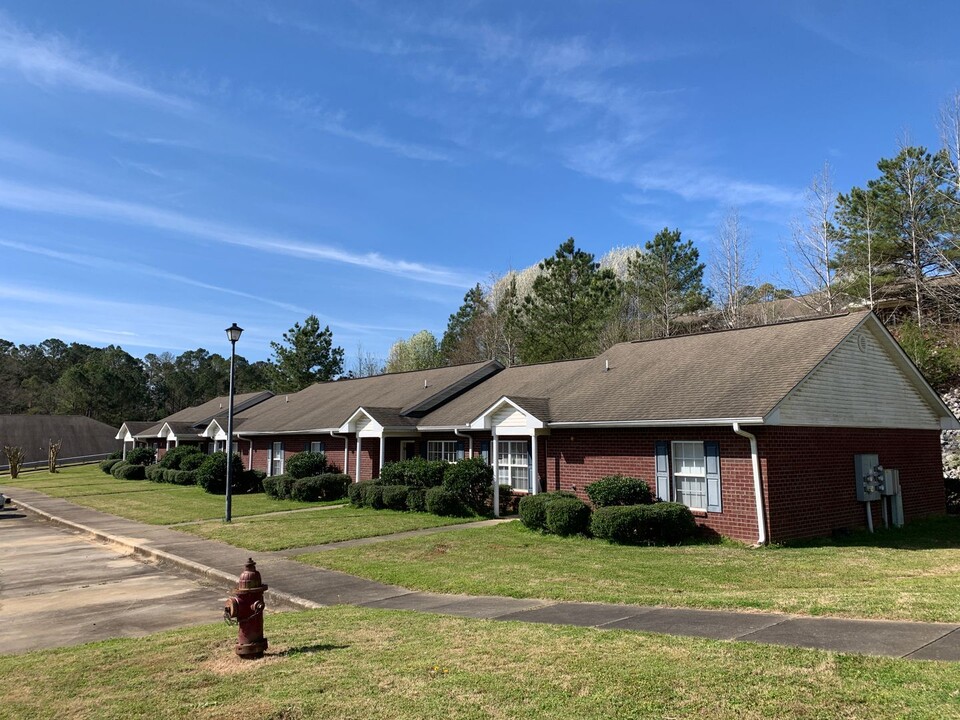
(233, 332)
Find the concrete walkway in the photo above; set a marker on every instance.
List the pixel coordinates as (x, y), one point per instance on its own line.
(298, 585)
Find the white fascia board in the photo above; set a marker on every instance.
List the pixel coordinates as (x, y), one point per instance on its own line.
(167, 432)
(482, 422)
(270, 433)
(374, 429)
(444, 428)
(658, 423)
(212, 430)
(123, 434)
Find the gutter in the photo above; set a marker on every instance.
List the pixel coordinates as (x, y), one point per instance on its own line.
(757, 485)
(249, 440)
(656, 423)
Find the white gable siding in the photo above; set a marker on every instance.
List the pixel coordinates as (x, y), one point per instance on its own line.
(508, 417)
(858, 388)
(362, 423)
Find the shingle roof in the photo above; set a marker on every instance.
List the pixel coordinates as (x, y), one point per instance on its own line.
(327, 405)
(725, 374)
(192, 420)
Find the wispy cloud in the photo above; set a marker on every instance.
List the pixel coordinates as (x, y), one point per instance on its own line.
(60, 201)
(51, 61)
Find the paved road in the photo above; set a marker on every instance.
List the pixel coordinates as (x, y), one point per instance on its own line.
(58, 588)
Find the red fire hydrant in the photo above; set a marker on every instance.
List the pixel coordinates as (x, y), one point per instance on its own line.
(245, 610)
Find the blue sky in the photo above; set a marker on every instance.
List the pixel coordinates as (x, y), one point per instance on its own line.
(169, 168)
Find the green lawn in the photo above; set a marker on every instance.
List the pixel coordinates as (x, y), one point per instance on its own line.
(154, 503)
(346, 663)
(912, 574)
(303, 529)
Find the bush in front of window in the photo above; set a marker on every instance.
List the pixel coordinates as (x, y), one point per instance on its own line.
(212, 474)
(567, 516)
(533, 508)
(395, 496)
(619, 490)
(193, 461)
(174, 457)
(306, 464)
(278, 487)
(445, 503)
(107, 465)
(658, 524)
(141, 456)
(472, 481)
(415, 472)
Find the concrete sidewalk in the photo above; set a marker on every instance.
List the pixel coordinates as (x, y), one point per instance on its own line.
(293, 584)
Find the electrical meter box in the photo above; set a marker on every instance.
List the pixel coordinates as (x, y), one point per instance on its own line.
(869, 476)
(891, 482)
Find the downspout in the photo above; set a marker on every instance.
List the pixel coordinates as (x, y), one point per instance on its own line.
(757, 486)
(249, 440)
(346, 450)
(469, 437)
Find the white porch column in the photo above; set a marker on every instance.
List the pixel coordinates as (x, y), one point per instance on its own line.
(496, 475)
(358, 458)
(534, 480)
(382, 451)
(124, 456)
(346, 454)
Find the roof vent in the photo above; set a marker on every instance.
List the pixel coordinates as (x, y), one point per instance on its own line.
(287, 399)
(424, 384)
(221, 405)
(606, 366)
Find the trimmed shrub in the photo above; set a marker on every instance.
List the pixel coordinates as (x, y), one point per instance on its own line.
(107, 465)
(619, 490)
(330, 486)
(441, 501)
(278, 487)
(395, 496)
(533, 508)
(507, 504)
(373, 496)
(660, 523)
(192, 461)
(212, 474)
(357, 492)
(117, 467)
(174, 457)
(416, 499)
(115, 455)
(415, 472)
(249, 481)
(306, 464)
(141, 456)
(471, 480)
(180, 477)
(567, 516)
(129, 472)
(154, 473)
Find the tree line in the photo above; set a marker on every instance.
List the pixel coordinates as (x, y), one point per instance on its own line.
(110, 385)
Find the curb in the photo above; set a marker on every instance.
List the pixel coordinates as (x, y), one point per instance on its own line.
(164, 559)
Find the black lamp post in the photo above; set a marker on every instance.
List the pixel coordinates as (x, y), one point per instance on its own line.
(233, 332)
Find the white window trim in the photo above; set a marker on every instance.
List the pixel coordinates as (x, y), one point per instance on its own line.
(505, 454)
(315, 442)
(274, 457)
(447, 451)
(674, 475)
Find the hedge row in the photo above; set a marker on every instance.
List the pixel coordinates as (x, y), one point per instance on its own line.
(158, 474)
(327, 486)
(123, 470)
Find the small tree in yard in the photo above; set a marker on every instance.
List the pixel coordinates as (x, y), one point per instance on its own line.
(14, 458)
(52, 452)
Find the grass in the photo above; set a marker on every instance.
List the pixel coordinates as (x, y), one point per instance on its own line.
(148, 502)
(912, 574)
(303, 529)
(346, 663)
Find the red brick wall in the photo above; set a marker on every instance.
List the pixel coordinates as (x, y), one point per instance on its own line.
(810, 488)
(572, 459)
(292, 444)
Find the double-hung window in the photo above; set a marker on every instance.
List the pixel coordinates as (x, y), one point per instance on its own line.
(316, 447)
(445, 450)
(276, 458)
(513, 464)
(690, 474)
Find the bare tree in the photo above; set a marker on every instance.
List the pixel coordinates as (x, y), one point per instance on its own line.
(731, 268)
(947, 289)
(812, 249)
(15, 457)
(53, 450)
(366, 363)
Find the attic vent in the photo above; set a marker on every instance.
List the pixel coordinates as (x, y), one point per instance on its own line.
(862, 343)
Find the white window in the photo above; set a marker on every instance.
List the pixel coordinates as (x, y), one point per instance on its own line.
(513, 464)
(690, 474)
(442, 450)
(220, 446)
(276, 458)
(316, 447)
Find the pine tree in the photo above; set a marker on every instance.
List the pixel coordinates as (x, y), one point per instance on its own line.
(306, 356)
